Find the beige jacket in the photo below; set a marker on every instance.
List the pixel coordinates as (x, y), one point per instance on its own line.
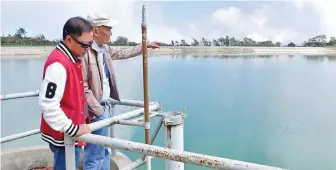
(93, 76)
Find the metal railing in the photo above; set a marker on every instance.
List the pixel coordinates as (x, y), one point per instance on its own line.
(173, 151)
(172, 121)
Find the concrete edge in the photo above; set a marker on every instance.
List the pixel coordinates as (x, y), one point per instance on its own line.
(39, 156)
(43, 51)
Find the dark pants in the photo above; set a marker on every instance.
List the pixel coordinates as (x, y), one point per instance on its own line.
(59, 156)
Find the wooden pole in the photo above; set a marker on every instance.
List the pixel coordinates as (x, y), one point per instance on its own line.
(145, 80)
(145, 73)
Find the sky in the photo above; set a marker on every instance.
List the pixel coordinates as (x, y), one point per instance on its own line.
(283, 21)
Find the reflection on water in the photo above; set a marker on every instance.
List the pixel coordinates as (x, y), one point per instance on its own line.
(273, 110)
(321, 58)
(307, 57)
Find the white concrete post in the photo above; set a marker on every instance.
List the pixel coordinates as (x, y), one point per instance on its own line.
(173, 122)
(113, 151)
(70, 155)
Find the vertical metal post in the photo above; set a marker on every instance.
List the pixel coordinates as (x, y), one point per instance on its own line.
(173, 122)
(70, 155)
(112, 134)
(145, 81)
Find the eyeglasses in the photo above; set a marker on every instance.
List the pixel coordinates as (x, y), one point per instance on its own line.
(82, 44)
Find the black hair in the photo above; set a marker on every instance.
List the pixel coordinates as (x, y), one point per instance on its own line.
(76, 26)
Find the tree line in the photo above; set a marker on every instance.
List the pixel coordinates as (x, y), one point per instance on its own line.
(20, 38)
(317, 41)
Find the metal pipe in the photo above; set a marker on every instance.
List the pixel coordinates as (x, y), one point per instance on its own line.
(19, 95)
(145, 73)
(128, 115)
(126, 102)
(19, 135)
(114, 121)
(153, 114)
(113, 151)
(70, 155)
(173, 154)
(35, 93)
(129, 122)
(157, 129)
(173, 122)
(145, 80)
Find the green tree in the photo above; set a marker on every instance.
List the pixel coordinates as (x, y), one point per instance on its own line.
(121, 41)
(195, 42)
(183, 43)
(40, 36)
(21, 32)
(221, 41)
(233, 41)
(227, 40)
(205, 42)
(317, 41)
(215, 42)
(249, 42)
(332, 41)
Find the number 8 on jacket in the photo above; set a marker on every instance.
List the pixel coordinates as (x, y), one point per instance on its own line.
(51, 89)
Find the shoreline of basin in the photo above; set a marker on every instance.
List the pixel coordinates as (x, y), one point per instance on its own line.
(26, 52)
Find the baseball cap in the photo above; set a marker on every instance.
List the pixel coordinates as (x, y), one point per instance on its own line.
(100, 19)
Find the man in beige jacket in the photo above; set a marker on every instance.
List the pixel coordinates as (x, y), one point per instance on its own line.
(100, 84)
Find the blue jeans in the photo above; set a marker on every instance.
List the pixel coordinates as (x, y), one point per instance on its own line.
(59, 156)
(97, 157)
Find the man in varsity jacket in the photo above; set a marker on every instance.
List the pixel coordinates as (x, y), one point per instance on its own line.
(61, 98)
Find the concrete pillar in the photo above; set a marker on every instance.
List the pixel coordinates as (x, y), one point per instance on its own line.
(70, 161)
(174, 138)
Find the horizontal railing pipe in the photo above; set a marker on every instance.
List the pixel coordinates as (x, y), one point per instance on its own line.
(94, 126)
(126, 102)
(129, 122)
(19, 135)
(128, 115)
(172, 154)
(19, 95)
(116, 120)
(152, 114)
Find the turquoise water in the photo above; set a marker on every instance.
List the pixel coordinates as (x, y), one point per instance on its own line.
(273, 110)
